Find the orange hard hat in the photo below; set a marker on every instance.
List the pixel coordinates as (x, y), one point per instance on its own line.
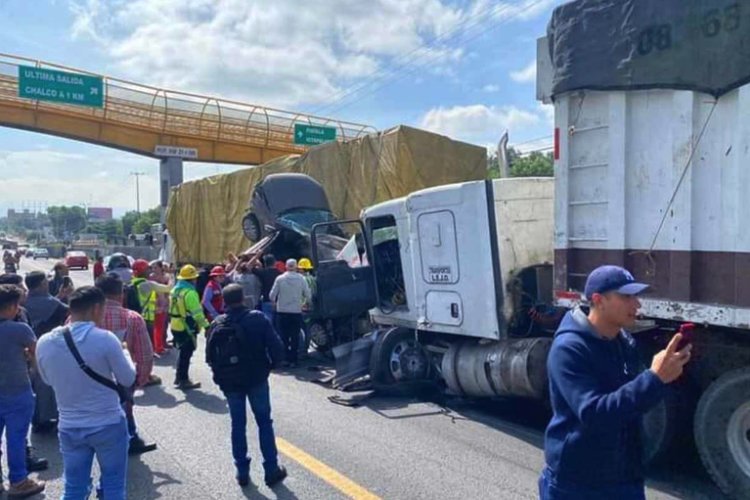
(140, 266)
(218, 271)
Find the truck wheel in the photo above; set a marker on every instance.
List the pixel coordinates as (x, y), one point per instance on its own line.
(722, 432)
(398, 357)
(304, 343)
(320, 338)
(251, 227)
(661, 425)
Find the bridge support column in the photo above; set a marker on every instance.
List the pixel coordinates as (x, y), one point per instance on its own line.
(170, 175)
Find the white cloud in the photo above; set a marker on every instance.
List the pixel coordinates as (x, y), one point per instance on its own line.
(548, 112)
(491, 88)
(478, 123)
(280, 52)
(273, 52)
(525, 75)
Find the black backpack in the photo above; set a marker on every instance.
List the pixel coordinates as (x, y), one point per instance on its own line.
(132, 300)
(225, 353)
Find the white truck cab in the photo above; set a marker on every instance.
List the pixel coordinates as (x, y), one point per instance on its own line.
(457, 265)
(457, 246)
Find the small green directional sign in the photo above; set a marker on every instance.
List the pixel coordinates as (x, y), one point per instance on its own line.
(310, 135)
(60, 86)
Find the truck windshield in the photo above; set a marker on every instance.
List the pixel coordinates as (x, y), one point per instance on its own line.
(387, 261)
(302, 220)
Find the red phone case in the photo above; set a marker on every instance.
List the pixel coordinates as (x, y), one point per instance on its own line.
(686, 329)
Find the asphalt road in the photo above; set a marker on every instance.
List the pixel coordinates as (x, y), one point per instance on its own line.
(395, 448)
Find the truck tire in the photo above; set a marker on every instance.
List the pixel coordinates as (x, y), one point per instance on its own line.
(722, 432)
(661, 426)
(398, 357)
(304, 343)
(251, 227)
(321, 339)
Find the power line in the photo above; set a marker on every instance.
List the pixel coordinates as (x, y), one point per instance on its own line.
(533, 140)
(338, 97)
(426, 61)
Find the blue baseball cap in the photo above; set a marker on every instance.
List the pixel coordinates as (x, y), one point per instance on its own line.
(605, 279)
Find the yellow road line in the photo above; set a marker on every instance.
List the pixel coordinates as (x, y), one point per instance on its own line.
(326, 473)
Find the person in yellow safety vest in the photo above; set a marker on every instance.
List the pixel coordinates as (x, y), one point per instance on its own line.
(305, 266)
(186, 322)
(147, 291)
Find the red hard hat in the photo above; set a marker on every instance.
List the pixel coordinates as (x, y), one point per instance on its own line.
(140, 266)
(218, 271)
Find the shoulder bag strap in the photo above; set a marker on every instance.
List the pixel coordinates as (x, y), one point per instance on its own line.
(86, 368)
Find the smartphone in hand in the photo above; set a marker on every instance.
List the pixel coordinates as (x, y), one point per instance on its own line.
(686, 330)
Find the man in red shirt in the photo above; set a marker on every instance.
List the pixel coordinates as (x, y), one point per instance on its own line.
(213, 301)
(130, 328)
(98, 267)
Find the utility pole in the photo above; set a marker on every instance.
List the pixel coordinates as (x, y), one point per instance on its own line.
(137, 189)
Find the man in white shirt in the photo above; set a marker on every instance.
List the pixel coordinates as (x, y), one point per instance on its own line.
(92, 421)
(289, 293)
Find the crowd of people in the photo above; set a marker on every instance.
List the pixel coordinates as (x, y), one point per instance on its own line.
(72, 358)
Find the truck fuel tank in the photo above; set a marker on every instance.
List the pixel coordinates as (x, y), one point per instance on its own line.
(511, 367)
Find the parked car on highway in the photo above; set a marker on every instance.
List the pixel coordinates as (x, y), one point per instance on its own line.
(38, 253)
(76, 259)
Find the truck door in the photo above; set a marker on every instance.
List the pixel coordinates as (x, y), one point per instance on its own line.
(456, 264)
(439, 259)
(345, 281)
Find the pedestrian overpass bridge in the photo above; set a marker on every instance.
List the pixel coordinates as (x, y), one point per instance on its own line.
(137, 118)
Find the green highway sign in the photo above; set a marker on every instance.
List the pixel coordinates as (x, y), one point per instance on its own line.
(310, 135)
(60, 86)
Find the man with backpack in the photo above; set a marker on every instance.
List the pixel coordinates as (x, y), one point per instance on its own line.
(241, 350)
(187, 320)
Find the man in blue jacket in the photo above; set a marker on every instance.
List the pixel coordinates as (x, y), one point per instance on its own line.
(242, 349)
(592, 444)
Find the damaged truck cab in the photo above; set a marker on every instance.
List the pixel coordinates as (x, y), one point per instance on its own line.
(451, 275)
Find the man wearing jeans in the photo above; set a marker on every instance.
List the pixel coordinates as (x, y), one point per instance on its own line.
(241, 370)
(129, 327)
(17, 343)
(290, 293)
(92, 422)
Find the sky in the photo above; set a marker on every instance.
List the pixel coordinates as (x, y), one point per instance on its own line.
(462, 68)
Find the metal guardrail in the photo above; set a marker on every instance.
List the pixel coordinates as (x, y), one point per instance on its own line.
(179, 113)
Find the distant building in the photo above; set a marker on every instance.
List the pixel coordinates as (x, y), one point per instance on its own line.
(26, 219)
(100, 214)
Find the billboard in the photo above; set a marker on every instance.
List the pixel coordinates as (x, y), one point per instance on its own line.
(100, 213)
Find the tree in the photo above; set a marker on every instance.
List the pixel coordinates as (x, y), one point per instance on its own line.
(109, 230)
(67, 220)
(34, 236)
(128, 221)
(534, 164)
(144, 222)
(493, 167)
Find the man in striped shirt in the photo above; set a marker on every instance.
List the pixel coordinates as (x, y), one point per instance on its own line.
(129, 327)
